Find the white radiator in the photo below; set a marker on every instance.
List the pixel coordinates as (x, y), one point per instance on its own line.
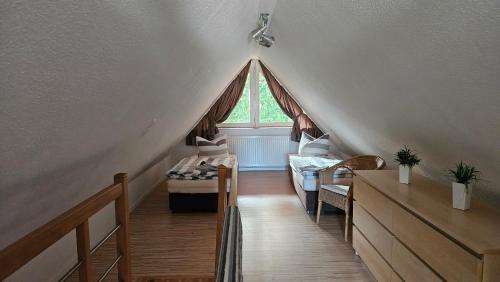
(262, 152)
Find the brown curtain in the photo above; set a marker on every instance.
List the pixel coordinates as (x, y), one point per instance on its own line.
(220, 111)
(301, 122)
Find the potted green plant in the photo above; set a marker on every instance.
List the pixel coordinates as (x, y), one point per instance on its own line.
(464, 175)
(407, 159)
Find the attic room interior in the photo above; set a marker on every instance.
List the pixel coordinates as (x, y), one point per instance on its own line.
(250, 140)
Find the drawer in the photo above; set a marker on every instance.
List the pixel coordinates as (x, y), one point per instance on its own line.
(409, 267)
(491, 268)
(378, 236)
(374, 202)
(378, 267)
(450, 260)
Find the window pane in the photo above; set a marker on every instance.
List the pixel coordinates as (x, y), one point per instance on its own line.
(269, 110)
(241, 113)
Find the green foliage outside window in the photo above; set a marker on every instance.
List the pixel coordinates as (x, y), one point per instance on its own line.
(269, 110)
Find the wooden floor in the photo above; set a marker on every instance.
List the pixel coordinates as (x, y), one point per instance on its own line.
(163, 243)
(280, 241)
(260, 183)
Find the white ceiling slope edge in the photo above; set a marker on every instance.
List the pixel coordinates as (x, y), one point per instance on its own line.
(381, 74)
(90, 88)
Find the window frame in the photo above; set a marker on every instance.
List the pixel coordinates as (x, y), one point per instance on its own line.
(253, 73)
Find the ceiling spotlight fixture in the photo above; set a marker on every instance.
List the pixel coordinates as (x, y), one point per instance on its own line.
(259, 34)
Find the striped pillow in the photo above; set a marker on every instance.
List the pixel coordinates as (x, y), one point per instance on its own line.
(309, 146)
(216, 148)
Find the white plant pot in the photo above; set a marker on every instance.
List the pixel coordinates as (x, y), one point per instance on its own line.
(461, 196)
(404, 174)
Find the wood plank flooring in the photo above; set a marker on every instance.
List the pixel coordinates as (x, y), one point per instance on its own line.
(162, 243)
(280, 241)
(264, 183)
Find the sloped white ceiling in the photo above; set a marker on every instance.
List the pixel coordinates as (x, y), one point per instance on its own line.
(380, 74)
(91, 88)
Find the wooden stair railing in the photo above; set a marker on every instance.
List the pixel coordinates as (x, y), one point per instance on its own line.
(223, 201)
(22, 251)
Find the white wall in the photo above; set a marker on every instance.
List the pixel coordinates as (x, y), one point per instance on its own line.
(92, 88)
(380, 74)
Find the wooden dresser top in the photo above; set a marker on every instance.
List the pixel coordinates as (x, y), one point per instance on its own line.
(478, 228)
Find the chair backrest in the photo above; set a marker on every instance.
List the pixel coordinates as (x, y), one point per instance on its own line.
(365, 162)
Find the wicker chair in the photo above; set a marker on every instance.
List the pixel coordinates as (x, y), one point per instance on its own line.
(336, 185)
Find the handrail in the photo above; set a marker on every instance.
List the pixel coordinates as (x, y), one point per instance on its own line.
(233, 189)
(224, 200)
(22, 251)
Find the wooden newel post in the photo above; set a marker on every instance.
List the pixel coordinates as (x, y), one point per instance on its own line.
(122, 235)
(221, 208)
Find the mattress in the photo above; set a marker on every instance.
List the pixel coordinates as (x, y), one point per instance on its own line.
(305, 170)
(199, 168)
(307, 183)
(198, 175)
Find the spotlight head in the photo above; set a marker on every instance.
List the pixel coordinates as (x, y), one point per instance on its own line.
(266, 40)
(259, 34)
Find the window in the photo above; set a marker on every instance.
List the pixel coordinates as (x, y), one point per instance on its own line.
(257, 106)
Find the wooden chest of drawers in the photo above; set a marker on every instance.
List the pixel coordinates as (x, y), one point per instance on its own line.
(412, 233)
